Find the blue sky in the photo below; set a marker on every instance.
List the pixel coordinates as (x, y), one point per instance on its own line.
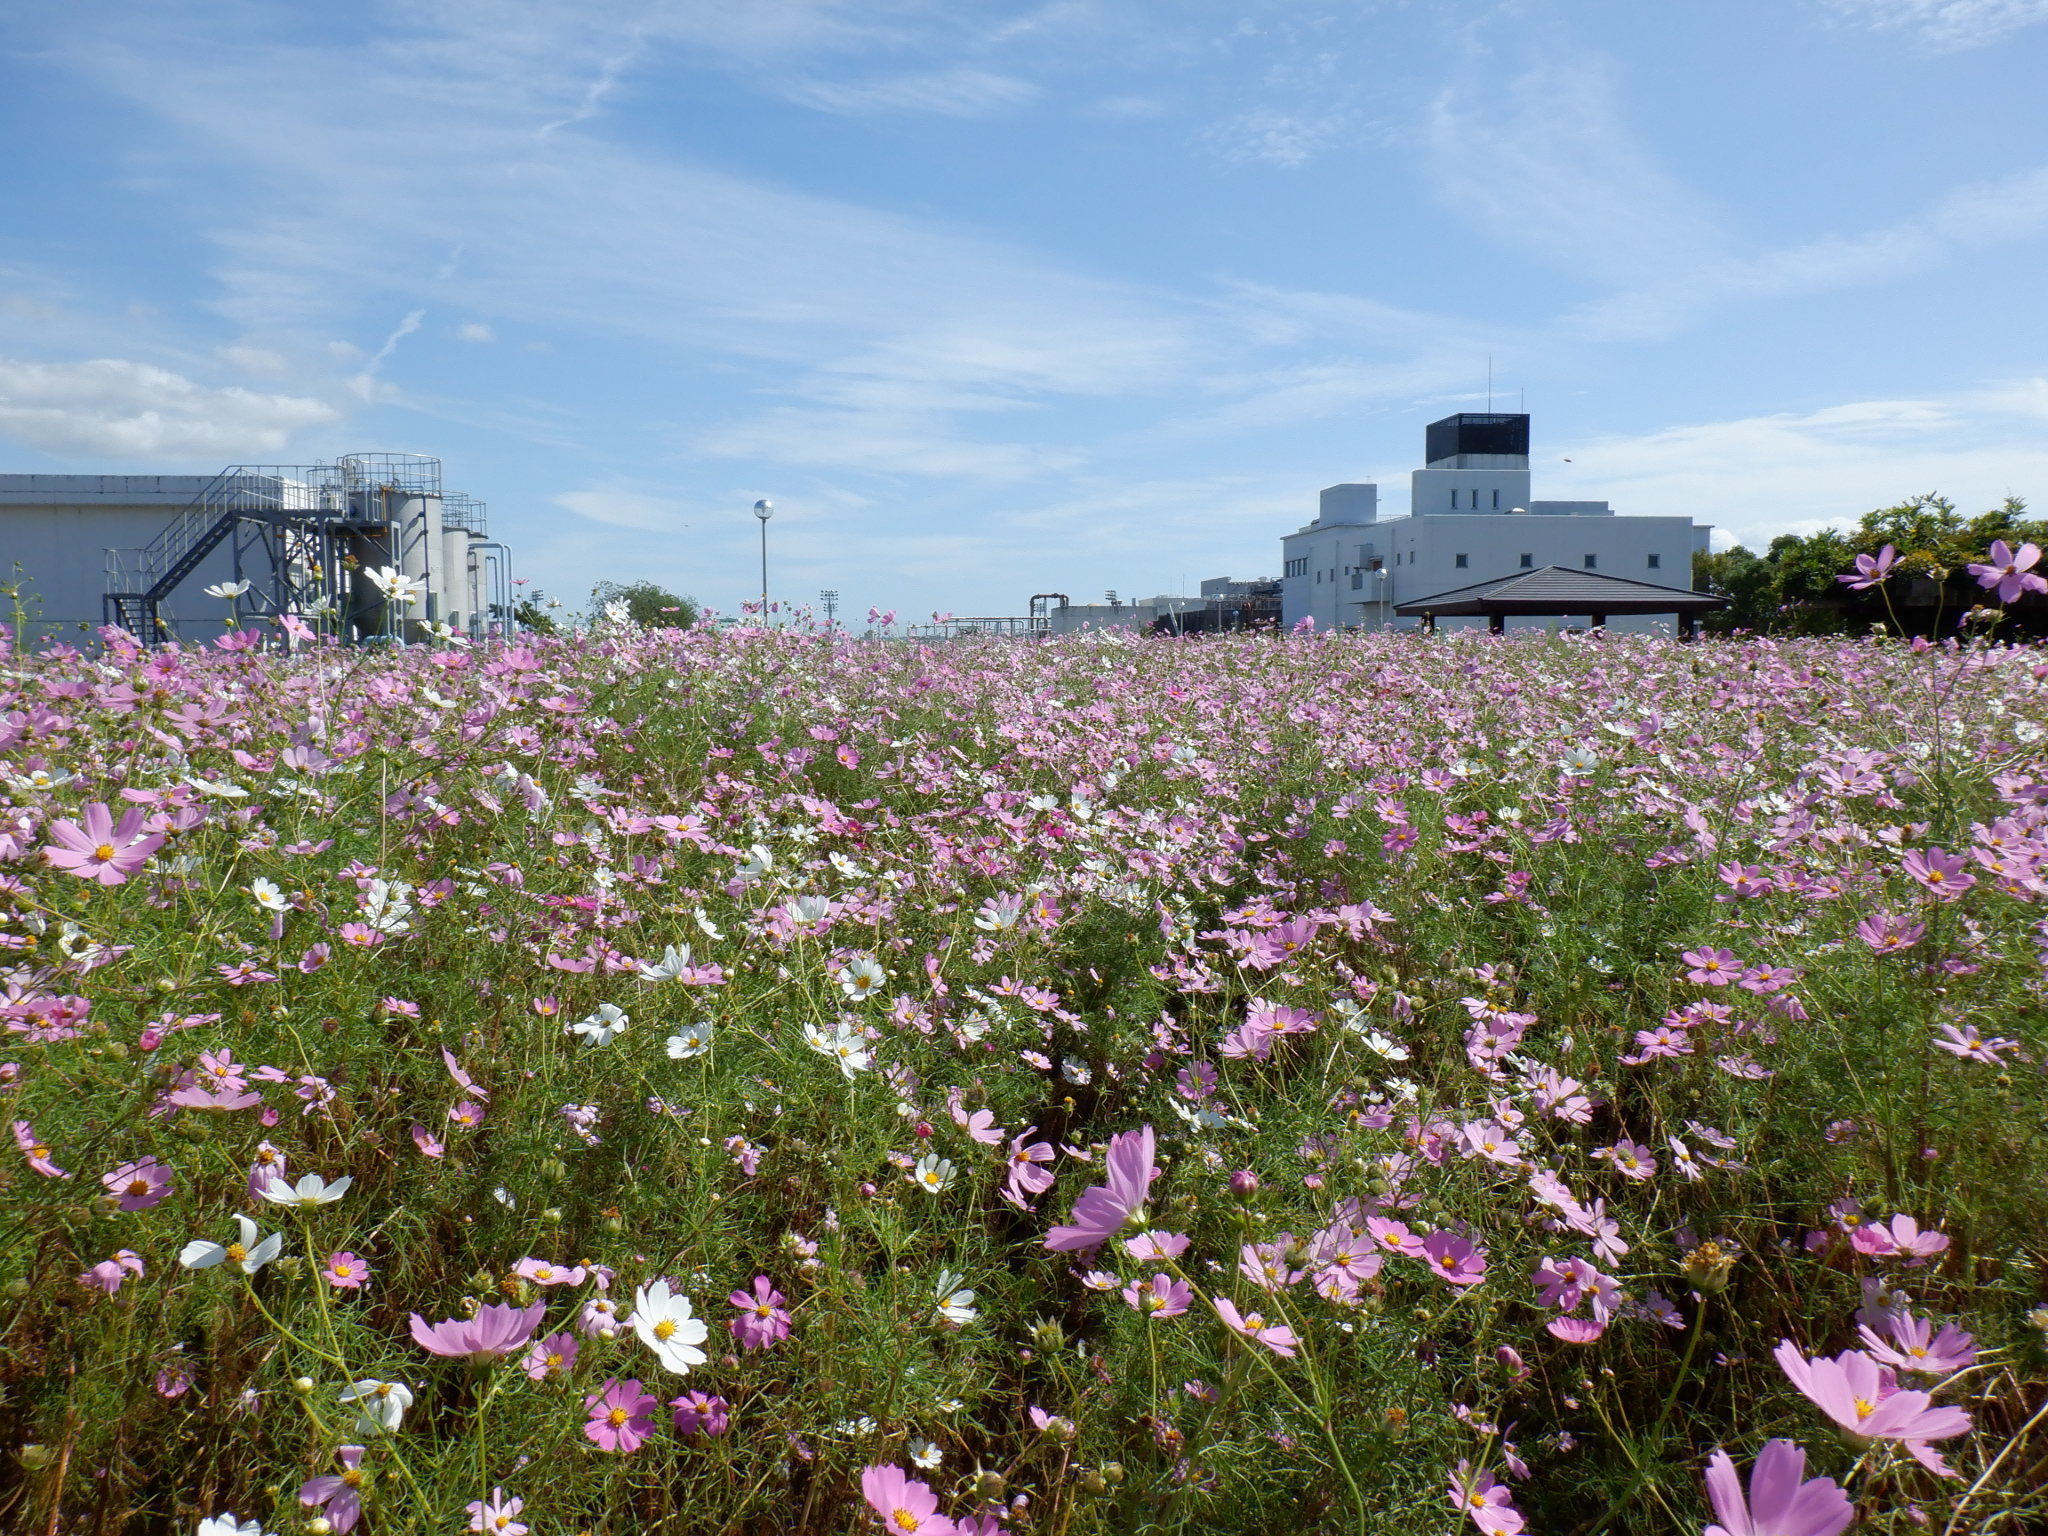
(999, 298)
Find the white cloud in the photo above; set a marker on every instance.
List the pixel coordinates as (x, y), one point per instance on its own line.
(627, 509)
(1760, 476)
(1549, 165)
(475, 330)
(1285, 139)
(133, 410)
(958, 92)
(1944, 23)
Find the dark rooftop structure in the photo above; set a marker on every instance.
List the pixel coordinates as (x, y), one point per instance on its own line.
(1555, 591)
(1488, 433)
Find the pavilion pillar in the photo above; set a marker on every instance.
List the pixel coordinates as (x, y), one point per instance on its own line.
(1496, 623)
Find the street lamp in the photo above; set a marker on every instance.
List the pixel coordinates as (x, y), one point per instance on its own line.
(764, 509)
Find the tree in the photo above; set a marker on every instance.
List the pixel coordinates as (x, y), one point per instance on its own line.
(647, 604)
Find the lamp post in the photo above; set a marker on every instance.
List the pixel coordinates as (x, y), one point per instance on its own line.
(764, 509)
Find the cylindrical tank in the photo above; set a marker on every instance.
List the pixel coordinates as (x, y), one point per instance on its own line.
(451, 578)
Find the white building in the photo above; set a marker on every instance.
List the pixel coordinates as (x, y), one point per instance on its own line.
(139, 550)
(1470, 519)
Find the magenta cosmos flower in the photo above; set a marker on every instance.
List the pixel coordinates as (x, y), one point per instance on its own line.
(138, 1185)
(1253, 1325)
(702, 1413)
(1159, 1298)
(1870, 570)
(621, 1416)
(905, 1506)
(37, 1153)
(494, 1332)
(1104, 1208)
(1488, 1502)
(339, 1496)
(100, 850)
(498, 1516)
(1454, 1258)
(345, 1271)
(762, 1321)
(1782, 1501)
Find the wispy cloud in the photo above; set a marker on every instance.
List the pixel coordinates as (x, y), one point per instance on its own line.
(627, 509)
(132, 410)
(961, 91)
(1944, 24)
(1276, 137)
(1759, 476)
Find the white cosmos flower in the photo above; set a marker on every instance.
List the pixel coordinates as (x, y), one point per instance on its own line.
(862, 978)
(847, 867)
(925, 1454)
(955, 1303)
(228, 1524)
(309, 1191)
(691, 1043)
(667, 1326)
(673, 962)
(845, 1046)
(809, 911)
(268, 896)
(933, 1174)
(396, 585)
(380, 1405)
(245, 1251)
(219, 788)
(1382, 1045)
(603, 1026)
(227, 589)
(758, 862)
(710, 929)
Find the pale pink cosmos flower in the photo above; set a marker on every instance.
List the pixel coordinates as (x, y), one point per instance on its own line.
(1863, 1398)
(1575, 1330)
(1454, 1258)
(621, 1416)
(2010, 572)
(345, 1272)
(544, 1273)
(1103, 1208)
(1159, 1298)
(1912, 1349)
(1253, 1325)
(36, 1152)
(1870, 571)
(340, 1493)
(1943, 874)
(554, 1355)
(496, 1516)
(426, 1141)
(905, 1506)
(1965, 1041)
(109, 1274)
(1711, 967)
(1902, 1235)
(494, 1332)
(1782, 1500)
(1156, 1247)
(139, 1185)
(1486, 1501)
(100, 850)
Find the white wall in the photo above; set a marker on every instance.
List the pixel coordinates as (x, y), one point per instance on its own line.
(1498, 490)
(62, 551)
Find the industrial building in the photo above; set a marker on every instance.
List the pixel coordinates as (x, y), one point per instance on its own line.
(140, 550)
(1470, 520)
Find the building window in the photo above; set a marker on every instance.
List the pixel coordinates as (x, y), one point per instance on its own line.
(1656, 562)
(1592, 562)
(1454, 501)
(1319, 576)
(1528, 562)
(1496, 501)
(1357, 580)
(1462, 561)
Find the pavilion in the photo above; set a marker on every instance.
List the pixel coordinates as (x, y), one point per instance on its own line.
(1554, 592)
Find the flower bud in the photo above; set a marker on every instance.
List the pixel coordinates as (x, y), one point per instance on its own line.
(303, 1385)
(1112, 1472)
(990, 1486)
(319, 1525)
(36, 1457)
(1093, 1482)
(1244, 1183)
(1708, 1268)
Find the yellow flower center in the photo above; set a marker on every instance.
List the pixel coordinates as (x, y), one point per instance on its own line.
(138, 1187)
(904, 1520)
(554, 1361)
(617, 1418)
(237, 1252)
(764, 1310)
(39, 1151)
(353, 1477)
(104, 853)
(1254, 1321)
(1864, 1409)
(665, 1329)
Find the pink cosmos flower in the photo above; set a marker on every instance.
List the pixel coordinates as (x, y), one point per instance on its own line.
(345, 1272)
(621, 1416)
(139, 1185)
(1159, 1298)
(100, 850)
(702, 1413)
(1156, 1247)
(494, 1332)
(1631, 1161)
(38, 1155)
(1941, 872)
(1965, 1041)
(1901, 1236)
(1870, 572)
(1102, 1209)
(340, 1494)
(543, 1273)
(1948, 1351)
(109, 1274)
(762, 1320)
(1253, 1326)
(1863, 1398)
(425, 1140)
(1454, 1258)
(1711, 967)
(1489, 1503)
(1575, 1330)
(905, 1506)
(554, 1355)
(1782, 1501)
(2010, 571)
(498, 1516)
(1394, 1236)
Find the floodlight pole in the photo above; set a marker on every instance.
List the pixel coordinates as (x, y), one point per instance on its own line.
(764, 509)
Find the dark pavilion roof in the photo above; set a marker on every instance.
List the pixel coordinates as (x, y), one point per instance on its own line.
(1556, 589)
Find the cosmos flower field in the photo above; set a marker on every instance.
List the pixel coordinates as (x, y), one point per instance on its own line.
(768, 1081)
